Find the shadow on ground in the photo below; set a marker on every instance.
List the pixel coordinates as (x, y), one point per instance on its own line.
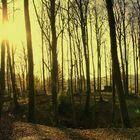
(6, 127)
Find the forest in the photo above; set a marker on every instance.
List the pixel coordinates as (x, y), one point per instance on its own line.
(69, 69)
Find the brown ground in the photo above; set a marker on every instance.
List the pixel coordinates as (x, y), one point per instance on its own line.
(11, 130)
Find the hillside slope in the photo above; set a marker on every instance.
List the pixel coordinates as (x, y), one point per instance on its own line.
(26, 131)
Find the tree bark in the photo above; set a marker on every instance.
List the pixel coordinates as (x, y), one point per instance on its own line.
(83, 6)
(42, 49)
(54, 76)
(116, 70)
(31, 109)
(3, 44)
(13, 79)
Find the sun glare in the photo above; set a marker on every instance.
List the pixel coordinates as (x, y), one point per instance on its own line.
(7, 31)
(11, 32)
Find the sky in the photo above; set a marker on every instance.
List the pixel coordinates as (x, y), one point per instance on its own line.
(15, 32)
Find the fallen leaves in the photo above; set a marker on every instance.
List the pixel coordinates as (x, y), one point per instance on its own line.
(11, 130)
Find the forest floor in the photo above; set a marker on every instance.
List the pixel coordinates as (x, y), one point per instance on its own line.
(16, 130)
(15, 127)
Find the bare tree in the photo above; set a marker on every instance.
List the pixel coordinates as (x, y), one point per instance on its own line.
(83, 15)
(31, 110)
(116, 68)
(13, 79)
(3, 44)
(54, 76)
(42, 49)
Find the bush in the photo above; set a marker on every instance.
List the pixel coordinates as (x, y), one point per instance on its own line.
(64, 105)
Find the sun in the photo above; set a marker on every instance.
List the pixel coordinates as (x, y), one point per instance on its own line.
(10, 31)
(6, 31)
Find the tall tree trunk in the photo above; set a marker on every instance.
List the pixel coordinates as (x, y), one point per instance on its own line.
(105, 55)
(31, 111)
(113, 97)
(122, 62)
(68, 65)
(137, 79)
(80, 65)
(98, 42)
(42, 49)
(92, 55)
(138, 3)
(116, 70)
(54, 77)
(8, 78)
(123, 15)
(134, 56)
(83, 6)
(13, 80)
(62, 51)
(71, 66)
(76, 67)
(71, 57)
(126, 58)
(3, 44)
